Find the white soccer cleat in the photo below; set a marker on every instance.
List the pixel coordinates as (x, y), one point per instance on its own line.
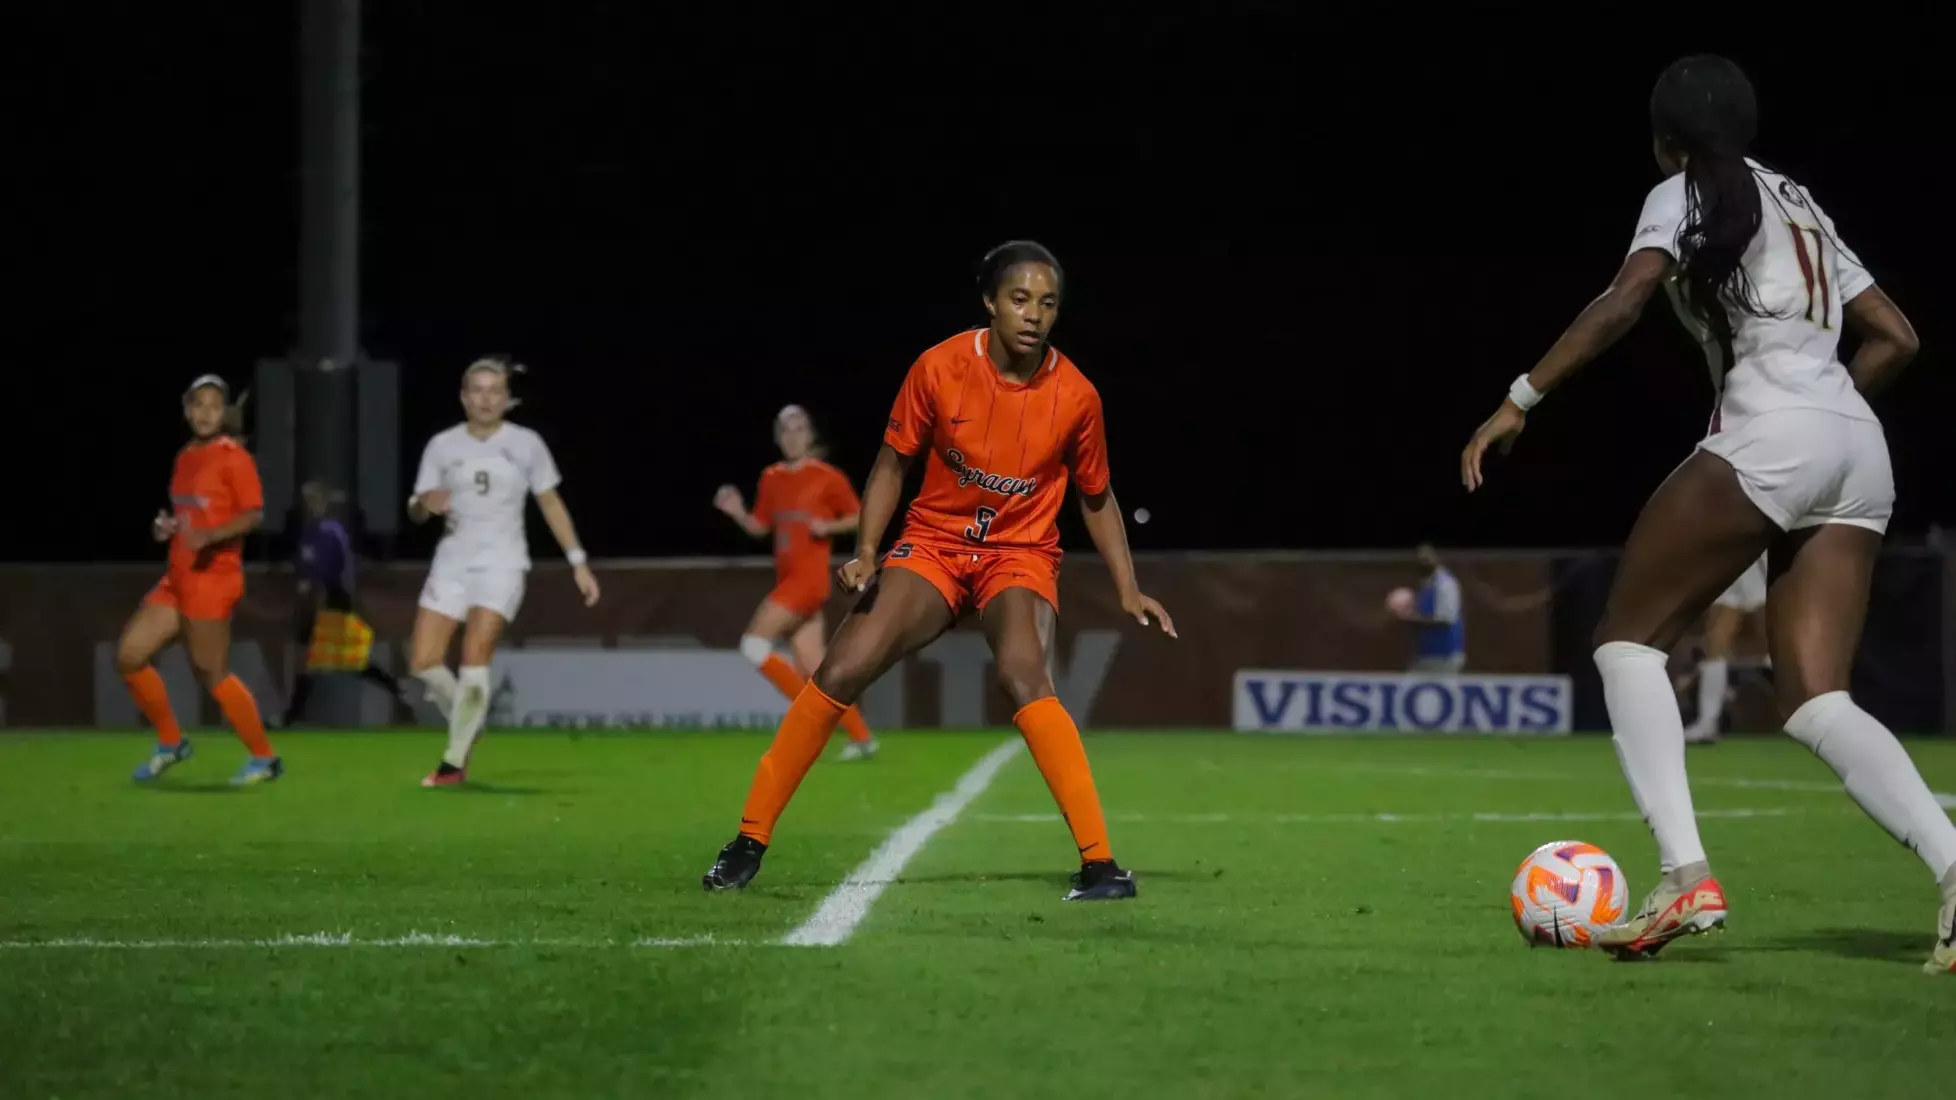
(1943, 961)
(1668, 913)
(858, 750)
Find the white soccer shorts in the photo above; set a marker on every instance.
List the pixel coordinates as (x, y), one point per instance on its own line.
(1748, 593)
(452, 590)
(1806, 467)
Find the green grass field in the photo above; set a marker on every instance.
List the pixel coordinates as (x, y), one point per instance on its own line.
(1317, 918)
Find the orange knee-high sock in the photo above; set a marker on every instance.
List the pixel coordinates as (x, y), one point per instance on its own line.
(241, 710)
(788, 681)
(153, 699)
(852, 721)
(1055, 743)
(803, 733)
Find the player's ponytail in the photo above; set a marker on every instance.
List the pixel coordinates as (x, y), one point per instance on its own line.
(1704, 112)
(1009, 255)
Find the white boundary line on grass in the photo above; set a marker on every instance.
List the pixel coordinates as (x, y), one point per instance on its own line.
(343, 939)
(846, 906)
(1377, 818)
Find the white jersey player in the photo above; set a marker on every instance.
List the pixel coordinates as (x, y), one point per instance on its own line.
(1726, 617)
(478, 476)
(1795, 462)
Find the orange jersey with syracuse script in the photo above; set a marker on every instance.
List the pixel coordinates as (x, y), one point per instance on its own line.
(790, 497)
(1001, 452)
(213, 484)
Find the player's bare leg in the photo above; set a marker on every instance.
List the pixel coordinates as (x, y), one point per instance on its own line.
(428, 658)
(209, 644)
(480, 634)
(809, 644)
(150, 629)
(1814, 618)
(900, 614)
(1695, 536)
(1722, 625)
(1020, 624)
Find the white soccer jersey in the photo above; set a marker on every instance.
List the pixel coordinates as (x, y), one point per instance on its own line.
(1802, 274)
(488, 481)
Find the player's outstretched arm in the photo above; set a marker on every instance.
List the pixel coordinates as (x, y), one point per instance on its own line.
(1888, 341)
(1600, 324)
(1109, 532)
(730, 504)
(557, 514)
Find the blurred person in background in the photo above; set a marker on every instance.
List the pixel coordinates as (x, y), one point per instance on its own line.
(216, 499)
(1433, 611)
(1723, 622)
(336, 638)
(804, 503)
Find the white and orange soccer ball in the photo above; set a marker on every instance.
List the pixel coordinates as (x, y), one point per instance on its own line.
(1567, 891)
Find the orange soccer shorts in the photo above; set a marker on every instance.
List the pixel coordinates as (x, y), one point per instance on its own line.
(804, 590)
(968, 577)
(199, 596)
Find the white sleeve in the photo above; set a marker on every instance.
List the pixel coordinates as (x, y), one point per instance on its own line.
(429, 478)
(543, 467)
(1446, 600)
(1851, 276)
(1662, 217)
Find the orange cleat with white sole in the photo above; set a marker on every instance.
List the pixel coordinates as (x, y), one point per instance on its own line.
(1667, 914)
(448, 775)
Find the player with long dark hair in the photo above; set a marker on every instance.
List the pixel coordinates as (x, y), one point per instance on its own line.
(1007, 421)
(216, 500)
(1795, 466)
(803, 503)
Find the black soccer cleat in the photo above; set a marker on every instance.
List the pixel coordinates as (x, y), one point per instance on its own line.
(739, 862)
(1101, 880)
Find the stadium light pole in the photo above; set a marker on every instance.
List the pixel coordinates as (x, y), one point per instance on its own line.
(329, 244)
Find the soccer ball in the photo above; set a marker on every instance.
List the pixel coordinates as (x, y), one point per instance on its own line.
(1400, 601)
(1567, 891)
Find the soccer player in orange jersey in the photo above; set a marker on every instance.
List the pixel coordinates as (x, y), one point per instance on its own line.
(1006, 422)
(217, 501)
(804, 503)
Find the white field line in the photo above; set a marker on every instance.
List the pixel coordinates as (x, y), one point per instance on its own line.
(846, 906)
(1816, 786)
(342, 939)
(1375, 818)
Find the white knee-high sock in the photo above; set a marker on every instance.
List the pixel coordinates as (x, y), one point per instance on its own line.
(1650, 744)
(1878, 775)
(441, 688)
(471, 710)
(1713, 677)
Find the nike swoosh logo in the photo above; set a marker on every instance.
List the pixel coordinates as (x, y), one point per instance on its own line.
(956, 420)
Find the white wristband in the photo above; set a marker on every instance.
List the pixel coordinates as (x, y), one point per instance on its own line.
(576, 555)
(1524, 395)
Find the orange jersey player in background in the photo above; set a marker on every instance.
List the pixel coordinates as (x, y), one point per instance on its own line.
(804, 503)
(216, 500)
(1007, 421)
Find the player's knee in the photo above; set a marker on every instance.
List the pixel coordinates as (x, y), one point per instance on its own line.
(841, 681)
(1024, 679)
(130, 660)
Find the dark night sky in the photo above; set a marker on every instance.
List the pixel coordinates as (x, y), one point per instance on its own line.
(1305, 255)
